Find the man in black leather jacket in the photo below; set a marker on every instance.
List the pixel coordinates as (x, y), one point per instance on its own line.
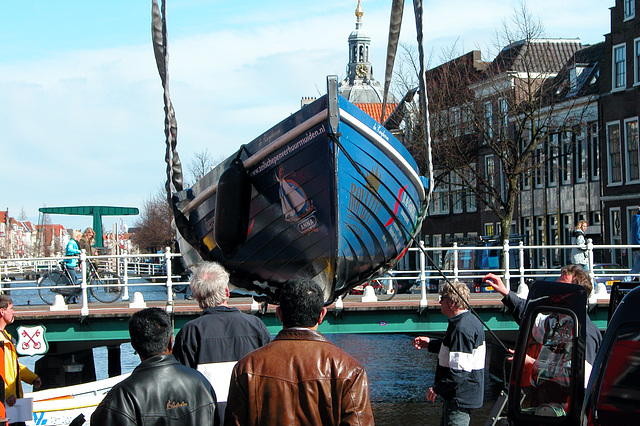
(160, 391)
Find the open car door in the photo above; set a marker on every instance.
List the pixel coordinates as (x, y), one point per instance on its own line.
(547, 376)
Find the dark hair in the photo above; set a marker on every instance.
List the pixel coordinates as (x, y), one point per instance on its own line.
(150, 330)
(5, 301)
(301, 303)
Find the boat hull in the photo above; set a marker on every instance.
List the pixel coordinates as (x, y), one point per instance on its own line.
(335, 199)
(60, 406)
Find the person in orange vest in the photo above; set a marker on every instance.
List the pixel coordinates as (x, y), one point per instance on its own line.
(3, 411)
(13, 372)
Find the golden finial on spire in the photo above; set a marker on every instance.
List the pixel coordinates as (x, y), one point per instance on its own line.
(359, 11)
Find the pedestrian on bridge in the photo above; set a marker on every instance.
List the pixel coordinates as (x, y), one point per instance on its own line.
(579, 254)
(635, 240)
(73, 249)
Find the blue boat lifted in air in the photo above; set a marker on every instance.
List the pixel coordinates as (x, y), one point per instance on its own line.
(328, 194)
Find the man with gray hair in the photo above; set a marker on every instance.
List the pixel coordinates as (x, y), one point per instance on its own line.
(215, 341)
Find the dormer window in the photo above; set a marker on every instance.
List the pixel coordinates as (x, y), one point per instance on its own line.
(574, 74)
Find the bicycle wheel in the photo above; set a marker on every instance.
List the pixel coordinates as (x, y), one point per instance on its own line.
(106, 287)
(53, 279)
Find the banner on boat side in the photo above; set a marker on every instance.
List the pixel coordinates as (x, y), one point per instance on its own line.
(32, 340)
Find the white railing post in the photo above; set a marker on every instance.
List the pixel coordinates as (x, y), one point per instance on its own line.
(590, 258)
(455, 260)
(507, 266)
(521, 253)
(84, 311)
(167, 258)
(125, 279)
(423, 277)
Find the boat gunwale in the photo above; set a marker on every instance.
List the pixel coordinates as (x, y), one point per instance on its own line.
(253, 159)
(348, 118)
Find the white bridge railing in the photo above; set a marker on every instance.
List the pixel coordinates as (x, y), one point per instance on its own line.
(156, 269)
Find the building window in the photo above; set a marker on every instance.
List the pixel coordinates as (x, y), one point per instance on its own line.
(614, 153)
(580, 173)
(440, 204)
(488, 119)
(636, 65)
(489, 229)
(552, 160)
(615, 232)
(538, 168)
(490, 171)
(456, 193)
(526, 175)
(629, 9)
(527, 230)
(619, 67)
(633, 153)
(594, 152)
(456, 122)
(566, 152)
(504, 110)
(470, 198)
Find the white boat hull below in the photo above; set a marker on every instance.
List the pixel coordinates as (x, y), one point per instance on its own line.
(60, 406)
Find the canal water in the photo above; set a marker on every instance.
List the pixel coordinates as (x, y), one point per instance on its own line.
(399, 374)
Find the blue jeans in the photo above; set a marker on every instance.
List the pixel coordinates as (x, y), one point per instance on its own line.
(74, 274)
(452, 415)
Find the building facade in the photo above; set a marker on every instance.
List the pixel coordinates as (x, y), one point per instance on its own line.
(619, 111)
(520, 133)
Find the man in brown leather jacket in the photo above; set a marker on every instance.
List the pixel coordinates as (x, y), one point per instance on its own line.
(300, 378)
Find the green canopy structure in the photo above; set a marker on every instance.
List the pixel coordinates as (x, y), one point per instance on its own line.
(96, 211)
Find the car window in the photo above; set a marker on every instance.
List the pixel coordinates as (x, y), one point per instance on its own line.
(545, 380)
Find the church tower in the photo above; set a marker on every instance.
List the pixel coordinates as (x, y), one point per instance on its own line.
(359, 86)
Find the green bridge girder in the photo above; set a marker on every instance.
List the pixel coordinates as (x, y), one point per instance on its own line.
(96, 211)
(67, 333)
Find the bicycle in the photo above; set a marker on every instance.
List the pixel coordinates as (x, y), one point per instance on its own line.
(105, 286)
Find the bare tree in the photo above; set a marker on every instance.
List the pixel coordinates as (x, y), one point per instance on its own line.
(493, 123)
(153, 229)
(201, 164)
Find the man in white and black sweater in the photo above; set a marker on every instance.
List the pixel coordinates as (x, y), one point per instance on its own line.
(459, 379)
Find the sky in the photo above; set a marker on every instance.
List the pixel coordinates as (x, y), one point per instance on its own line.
(81, 109)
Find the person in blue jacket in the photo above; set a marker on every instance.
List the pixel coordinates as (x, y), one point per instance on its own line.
(73, 250)
(459, 379)
(635, 240)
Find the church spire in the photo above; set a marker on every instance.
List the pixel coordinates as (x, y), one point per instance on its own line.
(359, 67)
